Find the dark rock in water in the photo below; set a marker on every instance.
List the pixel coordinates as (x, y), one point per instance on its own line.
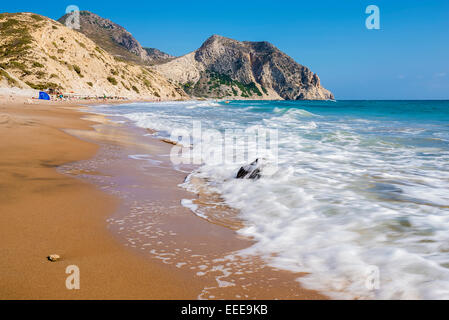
(251, 171)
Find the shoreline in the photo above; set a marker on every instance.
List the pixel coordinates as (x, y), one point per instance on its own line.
(154, 222)
(45, 212)
(87, 214)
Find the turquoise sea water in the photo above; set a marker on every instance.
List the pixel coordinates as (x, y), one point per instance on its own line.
(362, 188)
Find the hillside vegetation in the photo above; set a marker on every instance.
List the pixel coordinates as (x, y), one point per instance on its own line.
(40, 53)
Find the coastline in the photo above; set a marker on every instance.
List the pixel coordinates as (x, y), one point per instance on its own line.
(32, 229)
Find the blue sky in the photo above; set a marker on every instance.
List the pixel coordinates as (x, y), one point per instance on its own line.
(408, 58)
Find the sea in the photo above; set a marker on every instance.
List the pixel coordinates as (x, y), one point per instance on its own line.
(354, 194)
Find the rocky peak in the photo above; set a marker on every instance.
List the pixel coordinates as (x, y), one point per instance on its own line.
(260, 63)
(117, 40)
(110, 36)
(157, 56)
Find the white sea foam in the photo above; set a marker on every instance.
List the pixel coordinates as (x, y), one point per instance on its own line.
(187, 203)
(203, 104)
(346, 199)
(146, 158)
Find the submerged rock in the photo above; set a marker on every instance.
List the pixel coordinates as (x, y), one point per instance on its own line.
(250, 171)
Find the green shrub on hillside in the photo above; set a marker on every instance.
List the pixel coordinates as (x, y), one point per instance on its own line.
(112, 80)
(77, 69)
(147, 83)
(82, 45)
(44, 86)
(9, 24)
(4, 74)
(37, 65)
(40, 74)
(216, 80)
(99, 50)
(125, 86)
(187, 86)
(18, 39)
(37, 17)
(16, 65)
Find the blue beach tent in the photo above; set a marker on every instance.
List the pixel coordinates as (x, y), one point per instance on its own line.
(43, 96)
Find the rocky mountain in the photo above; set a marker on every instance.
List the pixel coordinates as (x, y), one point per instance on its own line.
(116, 40)
(103, 58)
(231, 69)
(110, 36)
(156, 56)
(40, 53)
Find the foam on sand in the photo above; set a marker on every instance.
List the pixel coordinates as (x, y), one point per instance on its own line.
(354, 193)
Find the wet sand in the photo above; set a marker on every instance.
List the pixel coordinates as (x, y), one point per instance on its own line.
(119, 219)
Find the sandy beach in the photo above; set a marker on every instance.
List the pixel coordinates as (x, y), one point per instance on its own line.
(209, 153)
(45, 212)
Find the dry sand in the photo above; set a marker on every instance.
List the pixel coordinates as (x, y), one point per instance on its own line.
(44, 212)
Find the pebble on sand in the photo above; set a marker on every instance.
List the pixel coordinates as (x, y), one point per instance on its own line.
(53, 257)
